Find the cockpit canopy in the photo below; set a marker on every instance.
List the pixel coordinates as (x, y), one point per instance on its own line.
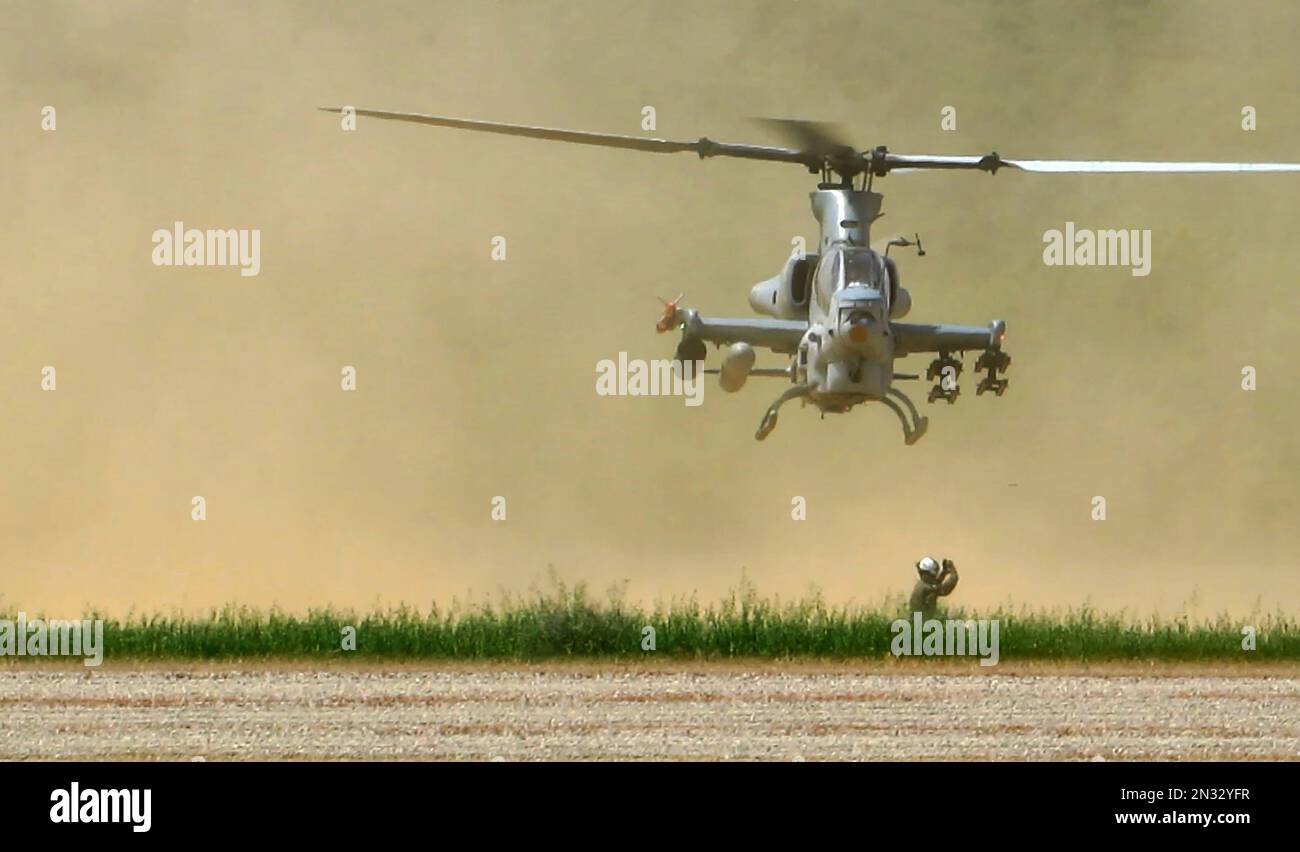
(849, 266)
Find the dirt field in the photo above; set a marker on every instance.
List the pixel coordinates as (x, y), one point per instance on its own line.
(693, 712)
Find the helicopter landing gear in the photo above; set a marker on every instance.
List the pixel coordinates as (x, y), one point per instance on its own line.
(994, 361)
(769, 418)
(946, 387)
(914, 429)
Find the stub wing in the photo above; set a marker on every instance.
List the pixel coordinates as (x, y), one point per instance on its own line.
(778, 335)
(912, 337)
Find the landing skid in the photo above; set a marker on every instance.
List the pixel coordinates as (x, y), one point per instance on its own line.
(915, 427)
(769, 418)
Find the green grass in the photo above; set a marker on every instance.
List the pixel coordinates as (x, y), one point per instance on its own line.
(566, 623)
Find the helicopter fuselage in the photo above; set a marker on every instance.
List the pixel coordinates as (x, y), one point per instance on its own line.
(836, 313)
(847, 293)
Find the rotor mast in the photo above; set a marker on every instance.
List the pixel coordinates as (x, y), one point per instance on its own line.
(845, 215)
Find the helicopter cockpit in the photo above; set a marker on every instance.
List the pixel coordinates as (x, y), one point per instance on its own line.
(849, 266)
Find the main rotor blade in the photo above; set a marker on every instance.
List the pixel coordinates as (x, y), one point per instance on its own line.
(993, 162)
(1127, 167)
(814, 136)
(704, 147)
(821, 148)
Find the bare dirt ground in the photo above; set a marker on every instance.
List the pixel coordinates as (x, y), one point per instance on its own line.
(736, 711)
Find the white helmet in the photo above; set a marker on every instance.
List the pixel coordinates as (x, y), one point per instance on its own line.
(928, 567)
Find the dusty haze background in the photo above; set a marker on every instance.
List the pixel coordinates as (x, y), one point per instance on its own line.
(476, 378)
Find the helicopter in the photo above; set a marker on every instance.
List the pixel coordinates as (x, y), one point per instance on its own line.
(835, 312)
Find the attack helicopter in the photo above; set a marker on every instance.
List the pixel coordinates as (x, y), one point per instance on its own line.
(835, 312)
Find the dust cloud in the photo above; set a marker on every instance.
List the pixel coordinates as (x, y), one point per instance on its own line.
(475, 377)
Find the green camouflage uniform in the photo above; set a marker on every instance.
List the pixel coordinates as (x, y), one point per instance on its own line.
(926, 594)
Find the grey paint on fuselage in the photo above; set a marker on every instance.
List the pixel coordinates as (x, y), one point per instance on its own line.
(849, 287)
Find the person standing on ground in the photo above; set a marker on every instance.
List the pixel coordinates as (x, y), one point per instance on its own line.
(934, 581)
